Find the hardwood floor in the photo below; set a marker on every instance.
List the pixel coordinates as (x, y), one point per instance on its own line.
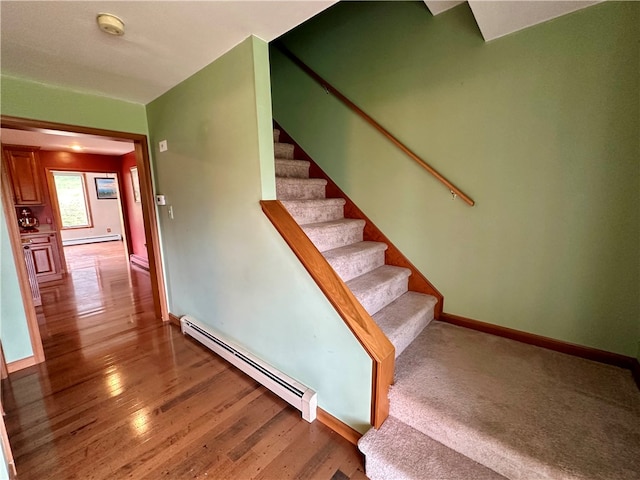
(122, 395)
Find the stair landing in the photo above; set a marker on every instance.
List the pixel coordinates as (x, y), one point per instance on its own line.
(519, 410)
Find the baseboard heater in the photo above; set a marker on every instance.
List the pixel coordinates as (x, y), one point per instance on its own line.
(139, 261)
(293, 392)
(96, 239)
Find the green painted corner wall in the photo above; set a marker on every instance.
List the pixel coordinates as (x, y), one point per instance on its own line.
(541, 128)
(262, 84)
(36, 101)
(14, 331)
(4, 468)
(225, 263)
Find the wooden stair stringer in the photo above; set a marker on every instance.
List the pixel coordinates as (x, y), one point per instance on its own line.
(362, 325)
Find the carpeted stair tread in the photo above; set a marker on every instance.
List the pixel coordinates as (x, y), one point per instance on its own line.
(315, 210)
(283, 150)
(335, 233)
(378, 288)
(404, 318)
(356, 259)
(300, 188)
(286, 167)
(397, 451)
(523, 411)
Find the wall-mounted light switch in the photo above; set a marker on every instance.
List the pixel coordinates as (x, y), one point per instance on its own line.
(170, 211)
(163, 145)
(160, 200)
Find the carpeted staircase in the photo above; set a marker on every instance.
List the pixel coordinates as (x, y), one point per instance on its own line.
(381, 289)
(467, 405)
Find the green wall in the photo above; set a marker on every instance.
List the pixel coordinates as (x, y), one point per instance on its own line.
(225, 263)
(4, 468)
(541, 128)
(14, 331)
(26, 99)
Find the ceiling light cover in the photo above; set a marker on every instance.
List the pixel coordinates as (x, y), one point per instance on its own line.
(110, 24)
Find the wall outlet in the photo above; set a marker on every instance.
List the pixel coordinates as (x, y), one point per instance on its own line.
(108, 230)
(163, 145)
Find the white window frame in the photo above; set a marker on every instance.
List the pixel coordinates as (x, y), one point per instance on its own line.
(87, 204)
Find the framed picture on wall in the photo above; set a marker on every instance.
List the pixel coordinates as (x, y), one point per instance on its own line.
(135, 183)
(106, 188)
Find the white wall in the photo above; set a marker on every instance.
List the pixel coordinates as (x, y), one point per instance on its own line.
(105, 213)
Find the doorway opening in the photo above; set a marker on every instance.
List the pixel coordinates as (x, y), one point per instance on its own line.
(119, 256)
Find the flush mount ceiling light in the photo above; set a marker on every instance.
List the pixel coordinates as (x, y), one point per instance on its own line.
(110, 24)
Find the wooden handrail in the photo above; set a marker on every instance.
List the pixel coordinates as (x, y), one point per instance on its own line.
(365, 329)
(330, 89)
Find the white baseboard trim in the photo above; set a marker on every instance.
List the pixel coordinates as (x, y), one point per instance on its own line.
(139, 261)
(97, 239)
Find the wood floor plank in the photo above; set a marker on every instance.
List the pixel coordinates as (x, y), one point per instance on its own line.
(108, 436)
(211, 448)
(251, 463)
(122, 395)
(300, 457)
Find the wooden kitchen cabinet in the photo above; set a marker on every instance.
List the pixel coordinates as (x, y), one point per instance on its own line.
(25, 174)
(46, 258)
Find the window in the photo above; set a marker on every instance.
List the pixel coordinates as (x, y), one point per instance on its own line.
(71, 192)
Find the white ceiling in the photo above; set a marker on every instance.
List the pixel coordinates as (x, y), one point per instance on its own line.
(59, 43)
(64, 141)
(439, 6)
(496, 18)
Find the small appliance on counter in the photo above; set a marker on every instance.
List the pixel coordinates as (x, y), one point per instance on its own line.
(27, 221)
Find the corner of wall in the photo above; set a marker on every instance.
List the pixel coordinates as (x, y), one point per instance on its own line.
(225, 263)
(14, 330)
(262, 84)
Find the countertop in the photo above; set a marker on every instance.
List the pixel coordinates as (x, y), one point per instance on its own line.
(45, 229)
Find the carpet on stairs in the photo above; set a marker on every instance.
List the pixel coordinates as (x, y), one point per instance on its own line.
(380, 288)
(399, 452)
(522, 411)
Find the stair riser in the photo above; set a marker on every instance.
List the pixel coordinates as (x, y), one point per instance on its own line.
(398, 451)
(383, 294)
(283, 150)
(326, 239)
(292, 171)
(293, 191)
(352, 266)
(411, 328)
(304, 215)
(383, 470)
